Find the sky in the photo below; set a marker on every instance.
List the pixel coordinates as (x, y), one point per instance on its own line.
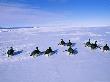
(83, 13)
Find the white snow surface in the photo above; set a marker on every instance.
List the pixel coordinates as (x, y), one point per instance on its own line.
(86, 66)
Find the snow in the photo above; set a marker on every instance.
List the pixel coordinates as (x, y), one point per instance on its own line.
(86, 66)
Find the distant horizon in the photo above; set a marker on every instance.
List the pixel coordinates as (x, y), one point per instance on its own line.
(16, 27)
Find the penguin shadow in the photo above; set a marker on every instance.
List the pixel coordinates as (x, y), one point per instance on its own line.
(75, 51)
(72, 45)
(41, 53)
(18, 52)
(55, 51)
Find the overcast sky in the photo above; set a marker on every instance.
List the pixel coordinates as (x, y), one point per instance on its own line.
(54, 12)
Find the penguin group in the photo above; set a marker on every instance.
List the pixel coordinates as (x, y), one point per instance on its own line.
(47, 52)
(70, 50)
(34, 53)
(95, 46)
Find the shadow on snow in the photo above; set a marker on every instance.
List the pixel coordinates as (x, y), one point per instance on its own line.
(18, 52)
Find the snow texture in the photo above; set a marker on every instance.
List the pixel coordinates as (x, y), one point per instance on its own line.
(85, 66)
